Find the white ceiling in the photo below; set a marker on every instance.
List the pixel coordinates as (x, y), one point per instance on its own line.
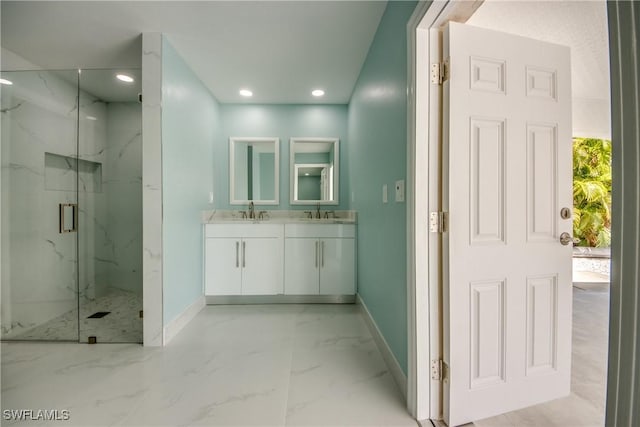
(581, 25)
(281, 50)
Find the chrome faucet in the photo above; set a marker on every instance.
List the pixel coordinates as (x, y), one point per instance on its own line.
(318, 211)
(252, 210)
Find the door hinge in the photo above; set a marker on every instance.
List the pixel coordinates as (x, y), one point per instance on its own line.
(141, 314)
(439, 370)
(440, 72)
(437, 222)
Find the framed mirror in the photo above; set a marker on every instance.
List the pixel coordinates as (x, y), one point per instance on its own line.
(254, 170)
(314, 165)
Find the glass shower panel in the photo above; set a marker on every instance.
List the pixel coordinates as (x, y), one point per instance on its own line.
(110, 200)
(39, 205)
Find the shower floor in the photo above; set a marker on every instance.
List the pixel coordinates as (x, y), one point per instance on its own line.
(122, 325)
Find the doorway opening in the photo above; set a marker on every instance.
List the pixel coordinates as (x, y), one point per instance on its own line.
(591, 117)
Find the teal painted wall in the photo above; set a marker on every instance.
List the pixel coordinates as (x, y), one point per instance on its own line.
(377, 155)
(283, 121)
(190, 125)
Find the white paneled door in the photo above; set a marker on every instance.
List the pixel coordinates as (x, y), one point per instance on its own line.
(507, 292)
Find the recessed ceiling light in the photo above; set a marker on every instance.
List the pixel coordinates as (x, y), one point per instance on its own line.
(306, 174)
(6, 82)
(317, 92)
(246, 92)
(125, 78)
(91, 118)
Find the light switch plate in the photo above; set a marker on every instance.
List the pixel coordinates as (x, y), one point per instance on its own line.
(385, 198)
(400, 190)
(211, 197)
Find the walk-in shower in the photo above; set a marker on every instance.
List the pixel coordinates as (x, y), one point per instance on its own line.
(71, 205)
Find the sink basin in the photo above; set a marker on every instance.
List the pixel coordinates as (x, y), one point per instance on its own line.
(323, 220)
(277, 217)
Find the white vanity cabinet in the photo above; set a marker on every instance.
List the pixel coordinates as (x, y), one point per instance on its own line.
(244, 259)
(319, 259)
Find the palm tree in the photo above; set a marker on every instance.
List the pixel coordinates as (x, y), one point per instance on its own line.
(592, 192)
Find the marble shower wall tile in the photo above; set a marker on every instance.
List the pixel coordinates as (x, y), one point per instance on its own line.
(123, 186)
(152, 187)
(92, 148)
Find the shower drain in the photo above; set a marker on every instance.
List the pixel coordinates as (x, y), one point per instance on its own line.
(98, 315)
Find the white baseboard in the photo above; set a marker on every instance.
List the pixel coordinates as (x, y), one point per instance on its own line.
(391, 361)
(175, 326)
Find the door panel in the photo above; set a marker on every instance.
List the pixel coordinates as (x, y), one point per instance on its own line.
(507, 290)
(39, 284)
(542, 151)
(487, 177)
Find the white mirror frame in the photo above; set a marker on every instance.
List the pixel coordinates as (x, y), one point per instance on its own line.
(232, 144)
(293, 171)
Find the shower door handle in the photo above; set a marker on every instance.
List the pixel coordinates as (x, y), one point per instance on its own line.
(68, 214)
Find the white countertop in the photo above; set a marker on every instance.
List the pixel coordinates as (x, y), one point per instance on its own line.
(279, 217)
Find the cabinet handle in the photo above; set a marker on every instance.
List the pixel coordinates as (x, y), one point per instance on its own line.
(316, 254)
(322, 253)
(237, 254)
(244, 254)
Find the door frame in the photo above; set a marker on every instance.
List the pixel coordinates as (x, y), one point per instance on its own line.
(425, 279)
(424, 287)
(624, 115)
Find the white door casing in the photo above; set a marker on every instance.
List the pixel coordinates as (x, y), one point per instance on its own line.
(507, 172)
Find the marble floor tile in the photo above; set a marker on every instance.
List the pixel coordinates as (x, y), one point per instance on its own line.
(270, 365)
(275, 365)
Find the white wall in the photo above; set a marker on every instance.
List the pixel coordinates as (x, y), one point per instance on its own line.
(591, 118)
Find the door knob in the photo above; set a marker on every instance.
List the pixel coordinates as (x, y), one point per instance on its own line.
(565, 239)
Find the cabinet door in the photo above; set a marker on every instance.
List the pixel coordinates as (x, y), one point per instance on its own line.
(301, 267)
(337, 267)
(262, 266)
(222, 267)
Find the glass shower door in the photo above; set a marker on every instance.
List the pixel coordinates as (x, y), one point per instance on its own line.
(39, 205)
(110, 200)
(71, 206)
